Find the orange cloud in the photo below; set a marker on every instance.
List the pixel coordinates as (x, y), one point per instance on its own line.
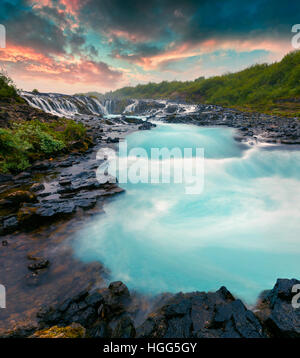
(186, 50)
(26, 64)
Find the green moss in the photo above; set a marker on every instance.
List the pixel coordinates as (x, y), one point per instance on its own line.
(7, 88)
(75, 330)
(27, 141)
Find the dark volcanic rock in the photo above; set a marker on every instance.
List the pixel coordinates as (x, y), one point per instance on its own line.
(38, 264)
(202, 315)
(276, 311)
(37, 187)
(146, 126)
(124, 329)
(110, 313)
(81, 309)
(18, 197)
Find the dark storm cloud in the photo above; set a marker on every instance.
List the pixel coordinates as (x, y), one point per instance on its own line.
(191, 21)
(27, 28)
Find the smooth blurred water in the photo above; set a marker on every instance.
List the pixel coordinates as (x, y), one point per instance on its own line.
(241, 232)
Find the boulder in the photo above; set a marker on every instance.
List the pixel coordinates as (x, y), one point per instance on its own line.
(202, 315)
(276, 312)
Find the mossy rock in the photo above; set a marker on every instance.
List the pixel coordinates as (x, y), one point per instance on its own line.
(75, 330)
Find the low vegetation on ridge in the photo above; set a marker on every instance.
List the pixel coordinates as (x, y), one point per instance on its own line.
(271, 88)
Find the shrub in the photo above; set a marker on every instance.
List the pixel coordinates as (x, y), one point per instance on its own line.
(26, 141)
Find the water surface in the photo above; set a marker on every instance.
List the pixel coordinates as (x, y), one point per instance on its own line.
(242, 231)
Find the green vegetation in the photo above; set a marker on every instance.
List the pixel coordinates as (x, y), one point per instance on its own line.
(27, 141)
(26, 138)
(266, 88)
(7, 88)
(35, 90)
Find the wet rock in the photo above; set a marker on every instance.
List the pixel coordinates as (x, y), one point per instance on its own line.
(124, 329)
(81, 309)
(27, 215)
(39, 264)
(64, 182)
(171, 108)
(37, 187)
(100, 329)
(22, 176)
(10, 224)
(5, 178)
(20, 331)
(42, 165)
(276, 311)
(56, 207)
(18, 197)
(202, 315)
(146, 126)
(112, 140)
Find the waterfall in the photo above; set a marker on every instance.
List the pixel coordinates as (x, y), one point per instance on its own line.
(65, 105)
(70, 106)
(131, 107)
(108, 105)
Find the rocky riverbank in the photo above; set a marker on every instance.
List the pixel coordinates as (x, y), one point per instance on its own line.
(115, 313)
(251, 127)
(42, 207)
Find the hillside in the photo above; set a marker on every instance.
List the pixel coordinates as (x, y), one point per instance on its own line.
(273, 88)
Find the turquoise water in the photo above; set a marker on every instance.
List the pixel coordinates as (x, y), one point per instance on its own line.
(242, 231)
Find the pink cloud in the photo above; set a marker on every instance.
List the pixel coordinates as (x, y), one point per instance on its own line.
(179, 52)
(26, 64)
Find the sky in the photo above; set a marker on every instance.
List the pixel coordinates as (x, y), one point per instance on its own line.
(72, 46)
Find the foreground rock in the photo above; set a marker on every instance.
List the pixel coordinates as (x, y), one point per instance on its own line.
(276, 311)
(109, 313)
(202, 315)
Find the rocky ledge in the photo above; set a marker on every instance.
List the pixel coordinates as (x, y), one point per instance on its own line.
(253, 127)
(114, 313)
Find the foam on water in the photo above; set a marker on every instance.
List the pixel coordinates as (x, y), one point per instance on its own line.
(241, 232)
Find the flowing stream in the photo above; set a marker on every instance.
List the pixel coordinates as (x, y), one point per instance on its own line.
(242, 231)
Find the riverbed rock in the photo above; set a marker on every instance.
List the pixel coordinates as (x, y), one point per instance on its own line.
(18, 197)
(37, 187)
(124, 329)
(39, 264)
(202, 315)
(276, 311)
(147, 126)
(82, 309)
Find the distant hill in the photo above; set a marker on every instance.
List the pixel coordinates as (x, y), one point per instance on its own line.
(273, 88)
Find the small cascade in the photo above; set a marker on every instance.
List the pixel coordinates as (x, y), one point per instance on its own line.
(131, 107)
(108, 104)
(64, 105)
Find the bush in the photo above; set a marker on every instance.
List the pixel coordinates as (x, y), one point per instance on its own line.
(7, 87)
(26, 141)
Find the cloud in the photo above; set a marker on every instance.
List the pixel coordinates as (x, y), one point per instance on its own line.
(152, 38)
(27, 63)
